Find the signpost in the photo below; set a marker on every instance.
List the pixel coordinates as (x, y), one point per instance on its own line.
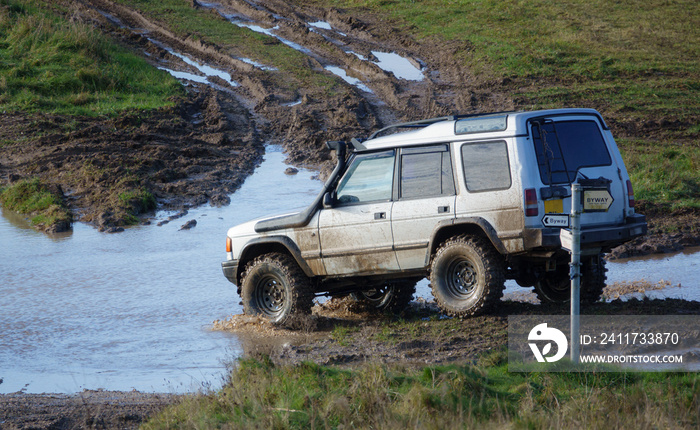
(587, 197)
(575, 270)
(597, 200)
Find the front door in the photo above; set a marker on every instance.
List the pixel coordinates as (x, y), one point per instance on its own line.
(355, 234)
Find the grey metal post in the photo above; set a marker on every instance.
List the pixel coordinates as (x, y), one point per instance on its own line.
(575, 270)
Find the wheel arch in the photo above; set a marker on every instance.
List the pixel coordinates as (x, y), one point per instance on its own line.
(266, 245)
(475, 226)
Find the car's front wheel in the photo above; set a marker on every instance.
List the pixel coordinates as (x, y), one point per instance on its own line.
(467, 276)
(274, 287)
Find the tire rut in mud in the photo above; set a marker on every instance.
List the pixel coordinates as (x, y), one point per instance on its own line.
(346, 42)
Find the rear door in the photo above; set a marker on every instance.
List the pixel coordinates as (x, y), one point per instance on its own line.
(572, 147)
(424, 196)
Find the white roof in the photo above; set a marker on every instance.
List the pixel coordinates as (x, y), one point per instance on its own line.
(444, 130)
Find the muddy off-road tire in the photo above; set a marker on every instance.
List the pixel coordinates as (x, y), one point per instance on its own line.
(555, 287)
(275, 288)
(391, 296)
(467, 276)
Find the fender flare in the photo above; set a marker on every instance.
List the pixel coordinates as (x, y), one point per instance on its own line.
(454, 224)
(274, 242)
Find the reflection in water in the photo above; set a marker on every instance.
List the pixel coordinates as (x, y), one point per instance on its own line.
(129, 310)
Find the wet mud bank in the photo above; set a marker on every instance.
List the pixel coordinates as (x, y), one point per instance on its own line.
(88, 409)
(109, 170)
(339, 333)
(201, 150)
(669, 231)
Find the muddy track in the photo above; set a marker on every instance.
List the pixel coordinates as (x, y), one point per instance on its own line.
(344, 42)
(340, 333)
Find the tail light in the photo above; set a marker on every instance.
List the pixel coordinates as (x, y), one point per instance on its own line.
(229, 245)
(630, 194)
(531, 207)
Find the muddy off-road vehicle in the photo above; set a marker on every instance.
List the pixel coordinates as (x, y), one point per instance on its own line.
(468, 201)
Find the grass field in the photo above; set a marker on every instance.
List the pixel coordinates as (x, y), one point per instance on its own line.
(49, 64)
(484, 395)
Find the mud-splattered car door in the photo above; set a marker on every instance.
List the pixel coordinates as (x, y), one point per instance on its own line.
(424, 197)
(355, 233)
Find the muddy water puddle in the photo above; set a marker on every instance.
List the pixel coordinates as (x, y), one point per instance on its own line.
(656, 277)
(89, 310)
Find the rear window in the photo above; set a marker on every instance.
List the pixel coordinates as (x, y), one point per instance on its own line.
(566, 146)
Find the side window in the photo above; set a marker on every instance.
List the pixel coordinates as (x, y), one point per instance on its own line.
(486, 166)
(368, 179)
(426, 172)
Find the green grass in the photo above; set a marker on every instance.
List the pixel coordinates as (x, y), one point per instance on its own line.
(310, 396)
(135, 202)
(664, 173)
(50, 64)
(592, 40)
(31, 197)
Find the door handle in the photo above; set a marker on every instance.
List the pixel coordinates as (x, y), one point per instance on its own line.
(380, 215)
(443, 209)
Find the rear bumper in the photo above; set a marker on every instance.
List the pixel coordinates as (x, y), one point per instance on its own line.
(605, 237)
(230, 268)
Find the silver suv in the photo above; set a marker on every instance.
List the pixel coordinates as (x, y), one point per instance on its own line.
(468, 201)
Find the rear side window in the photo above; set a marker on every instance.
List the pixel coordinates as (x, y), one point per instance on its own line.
(564, 147)
(426, 172)
(486, 166)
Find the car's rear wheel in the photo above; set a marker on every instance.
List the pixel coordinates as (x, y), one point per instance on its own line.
(391, 296)
(467, 276)
(274, 287)
(555, 286)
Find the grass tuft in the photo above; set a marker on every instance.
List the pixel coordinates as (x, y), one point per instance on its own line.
(31, 197)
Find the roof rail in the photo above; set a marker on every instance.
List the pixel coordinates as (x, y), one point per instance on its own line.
(413, 124)
(427, 122)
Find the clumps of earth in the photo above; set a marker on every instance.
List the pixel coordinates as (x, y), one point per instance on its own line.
(341, 331)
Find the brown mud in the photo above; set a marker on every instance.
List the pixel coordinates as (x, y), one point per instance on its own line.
(342, 332)
(85, 410)
(669, 231)
(197, 152)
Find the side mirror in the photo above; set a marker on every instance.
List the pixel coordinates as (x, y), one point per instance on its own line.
(328, 200)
